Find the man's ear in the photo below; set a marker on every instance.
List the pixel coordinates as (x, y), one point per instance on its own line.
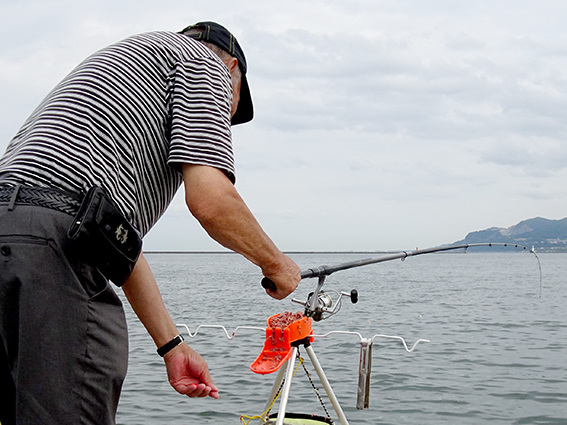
(231, 64)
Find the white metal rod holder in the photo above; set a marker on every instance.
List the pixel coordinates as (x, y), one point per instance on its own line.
(364, 369)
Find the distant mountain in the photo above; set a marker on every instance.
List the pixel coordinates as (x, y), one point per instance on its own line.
(543, 234)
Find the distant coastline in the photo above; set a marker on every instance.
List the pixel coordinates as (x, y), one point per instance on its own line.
(542, 234)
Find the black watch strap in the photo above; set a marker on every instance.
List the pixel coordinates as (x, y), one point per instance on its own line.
(164, 349)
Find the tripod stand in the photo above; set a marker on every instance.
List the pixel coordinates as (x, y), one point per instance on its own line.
(288, 373)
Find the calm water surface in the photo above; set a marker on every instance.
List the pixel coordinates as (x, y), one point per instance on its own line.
(497, 355)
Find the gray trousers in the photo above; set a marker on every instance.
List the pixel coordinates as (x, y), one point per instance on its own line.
(63, 336)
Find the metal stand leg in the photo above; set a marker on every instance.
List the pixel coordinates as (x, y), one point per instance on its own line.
(326, 385)
(275, 388)
(287, 386)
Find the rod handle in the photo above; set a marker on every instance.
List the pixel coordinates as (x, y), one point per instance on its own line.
(269, 284)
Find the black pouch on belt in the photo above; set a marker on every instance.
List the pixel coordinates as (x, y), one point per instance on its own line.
(106, 237)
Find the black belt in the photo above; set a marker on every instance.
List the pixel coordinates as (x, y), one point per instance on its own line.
(41, 197)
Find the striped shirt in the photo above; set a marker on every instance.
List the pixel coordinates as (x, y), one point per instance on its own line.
(126, 119)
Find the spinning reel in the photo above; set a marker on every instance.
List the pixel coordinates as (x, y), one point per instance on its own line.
(321, 305)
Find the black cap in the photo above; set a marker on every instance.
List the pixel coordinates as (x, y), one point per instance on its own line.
(218, 35)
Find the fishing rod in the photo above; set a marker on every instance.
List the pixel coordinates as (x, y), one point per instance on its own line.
(319, 303)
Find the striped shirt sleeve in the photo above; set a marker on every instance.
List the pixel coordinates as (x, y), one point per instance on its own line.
(200, 105)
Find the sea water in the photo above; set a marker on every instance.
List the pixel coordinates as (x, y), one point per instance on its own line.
(497, 352)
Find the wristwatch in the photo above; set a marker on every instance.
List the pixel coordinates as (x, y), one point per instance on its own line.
(164, 349)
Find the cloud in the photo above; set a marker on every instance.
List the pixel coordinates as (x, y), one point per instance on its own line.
(539, 156)
(423, 86)
(378, 124)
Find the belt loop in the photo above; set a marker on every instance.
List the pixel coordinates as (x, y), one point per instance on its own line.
(14, 197)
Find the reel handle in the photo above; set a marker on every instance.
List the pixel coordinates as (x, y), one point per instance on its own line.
(354, 296)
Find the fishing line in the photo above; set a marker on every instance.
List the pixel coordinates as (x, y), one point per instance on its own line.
(245, 419)
(540, 274)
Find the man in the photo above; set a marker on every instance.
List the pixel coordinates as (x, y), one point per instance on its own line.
(137, 119)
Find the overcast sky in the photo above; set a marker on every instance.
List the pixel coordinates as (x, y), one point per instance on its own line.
(379, 124)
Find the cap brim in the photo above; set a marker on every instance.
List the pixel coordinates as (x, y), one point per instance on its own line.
(245, 110)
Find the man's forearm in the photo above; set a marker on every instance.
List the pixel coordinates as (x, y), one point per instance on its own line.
(144, 296)
(214, 201)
